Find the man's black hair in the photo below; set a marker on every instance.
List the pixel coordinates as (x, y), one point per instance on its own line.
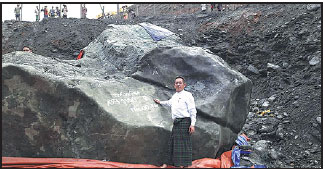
(27, 47)
(181, 78)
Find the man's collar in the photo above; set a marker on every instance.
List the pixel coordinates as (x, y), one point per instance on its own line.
(180, 91)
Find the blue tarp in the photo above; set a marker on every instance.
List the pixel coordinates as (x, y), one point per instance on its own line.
(241, 140)
(157, 33)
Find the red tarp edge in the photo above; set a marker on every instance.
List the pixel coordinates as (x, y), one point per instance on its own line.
(24, 162)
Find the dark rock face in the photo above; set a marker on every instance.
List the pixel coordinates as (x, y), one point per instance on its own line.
(221, 94)
(209, 78)
(97, 108)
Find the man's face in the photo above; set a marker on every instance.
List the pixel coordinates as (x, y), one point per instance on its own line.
(26, 49)
(179, 84)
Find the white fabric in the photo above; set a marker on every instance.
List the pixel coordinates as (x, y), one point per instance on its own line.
(182, 105)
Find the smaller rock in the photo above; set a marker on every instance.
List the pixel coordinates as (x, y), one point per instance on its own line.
(238, 67)
(279, 133)
(319, 27)
(255, 109)
(285, 122)
(279, 107)
(266, 129)
(273, 66)
(273, 154)
(319, 120)
(285, 64)
(315, 60)
(279, 116)
(261, 145)
(266, 104)
(253, 69)
(313, 7)
(296, 104)
(314, 150)
(250, 115)
(251, 132)
(306, 153)
(272, 98)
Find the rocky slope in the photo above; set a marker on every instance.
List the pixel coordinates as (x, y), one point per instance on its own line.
(277, 46)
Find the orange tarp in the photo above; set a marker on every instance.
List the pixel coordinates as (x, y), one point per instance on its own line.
(23, 162)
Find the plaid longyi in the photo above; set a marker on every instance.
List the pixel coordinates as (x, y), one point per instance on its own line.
(180, 143)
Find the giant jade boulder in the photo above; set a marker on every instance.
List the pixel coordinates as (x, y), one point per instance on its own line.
(101, 106)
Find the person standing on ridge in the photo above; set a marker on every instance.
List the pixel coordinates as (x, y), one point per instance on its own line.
(84, 11)
(212, 6)
(65, 11)
(58, 12)
(37, 11)
(219, 7)
(52, 12)
(17, 12)
(46, 12)
(184, 115)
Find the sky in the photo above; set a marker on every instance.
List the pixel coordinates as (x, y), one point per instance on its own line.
(28, 13)
(93, 9)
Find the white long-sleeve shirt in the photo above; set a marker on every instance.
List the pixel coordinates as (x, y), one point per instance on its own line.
(182, 105)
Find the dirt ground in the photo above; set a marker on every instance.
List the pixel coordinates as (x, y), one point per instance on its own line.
(277, 46)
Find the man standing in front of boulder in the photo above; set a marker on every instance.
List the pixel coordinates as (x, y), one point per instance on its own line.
(184, 115)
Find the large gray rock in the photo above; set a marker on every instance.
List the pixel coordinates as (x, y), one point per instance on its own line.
(101, 106)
